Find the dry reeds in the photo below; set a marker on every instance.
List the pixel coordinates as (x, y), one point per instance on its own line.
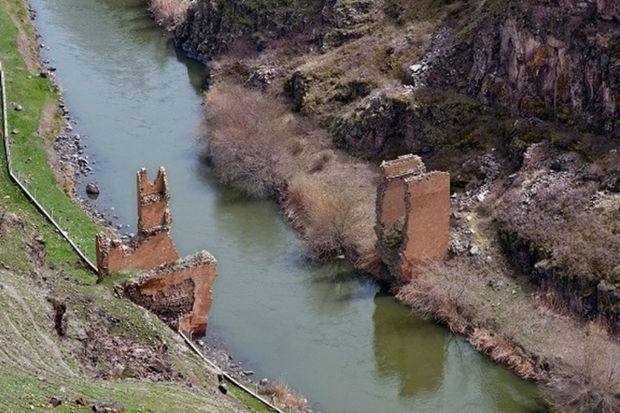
(169, 13)
(330, 220)
(283, 396)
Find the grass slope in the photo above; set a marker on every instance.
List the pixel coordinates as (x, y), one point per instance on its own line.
(30, 162)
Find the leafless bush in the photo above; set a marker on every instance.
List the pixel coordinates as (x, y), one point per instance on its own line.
(246, 138)
(330, 220)
(169, 13)
(283, 396)
(441, 301)
(319, 162)
(557, 215)
(593, 388)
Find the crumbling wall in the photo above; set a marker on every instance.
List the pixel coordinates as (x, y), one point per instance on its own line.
(152, 245)
(413, 209)
(177, 290)
(180, 293)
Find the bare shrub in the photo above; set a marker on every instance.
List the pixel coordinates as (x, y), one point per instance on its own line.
(591, 388)
(169, 13)
(283, 396)
(246, 136)
(444, 302)
(319, 162)
(330, 220)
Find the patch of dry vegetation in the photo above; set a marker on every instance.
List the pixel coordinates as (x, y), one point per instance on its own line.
(503, 319)
(283, 396)
(246, 135)
(592, 387)
(169, 13)
(331, 222)
(257, 145)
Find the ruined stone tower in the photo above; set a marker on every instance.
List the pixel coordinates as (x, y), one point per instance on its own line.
(413, 209)
(153, 244)
(153, 198)
(179, 291)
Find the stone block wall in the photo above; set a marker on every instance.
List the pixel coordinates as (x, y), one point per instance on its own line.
(180, 293)
(152, 245)
(413, 210)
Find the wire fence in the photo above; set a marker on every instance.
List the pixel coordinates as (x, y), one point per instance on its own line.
(22, 186)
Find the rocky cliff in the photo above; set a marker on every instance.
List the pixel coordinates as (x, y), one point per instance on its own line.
(554, 60)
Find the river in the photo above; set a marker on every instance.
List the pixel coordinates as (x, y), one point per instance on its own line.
(331, 334)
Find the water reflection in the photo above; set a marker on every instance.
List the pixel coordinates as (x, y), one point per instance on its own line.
(407, 348)
(335, 288)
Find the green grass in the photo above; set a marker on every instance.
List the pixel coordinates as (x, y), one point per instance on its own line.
(249, 401)
(30, 160)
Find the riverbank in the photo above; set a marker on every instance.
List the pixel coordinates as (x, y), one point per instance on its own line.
(68, 341)
(478, 293)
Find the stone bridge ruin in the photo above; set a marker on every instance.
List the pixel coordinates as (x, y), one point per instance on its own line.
(413, 211)
(179, 291)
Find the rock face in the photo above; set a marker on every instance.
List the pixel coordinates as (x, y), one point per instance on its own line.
(213, 26)
(556, 59)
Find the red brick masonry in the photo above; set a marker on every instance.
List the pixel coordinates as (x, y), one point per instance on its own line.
(413, 211)
(179, 291)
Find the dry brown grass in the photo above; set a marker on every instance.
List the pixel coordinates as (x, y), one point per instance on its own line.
(169, 13)
(330, 221)
(257, 145)
(283, 396)
(510, 325)
(246, 135)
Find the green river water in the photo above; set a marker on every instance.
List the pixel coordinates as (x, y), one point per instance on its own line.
(332, 335)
